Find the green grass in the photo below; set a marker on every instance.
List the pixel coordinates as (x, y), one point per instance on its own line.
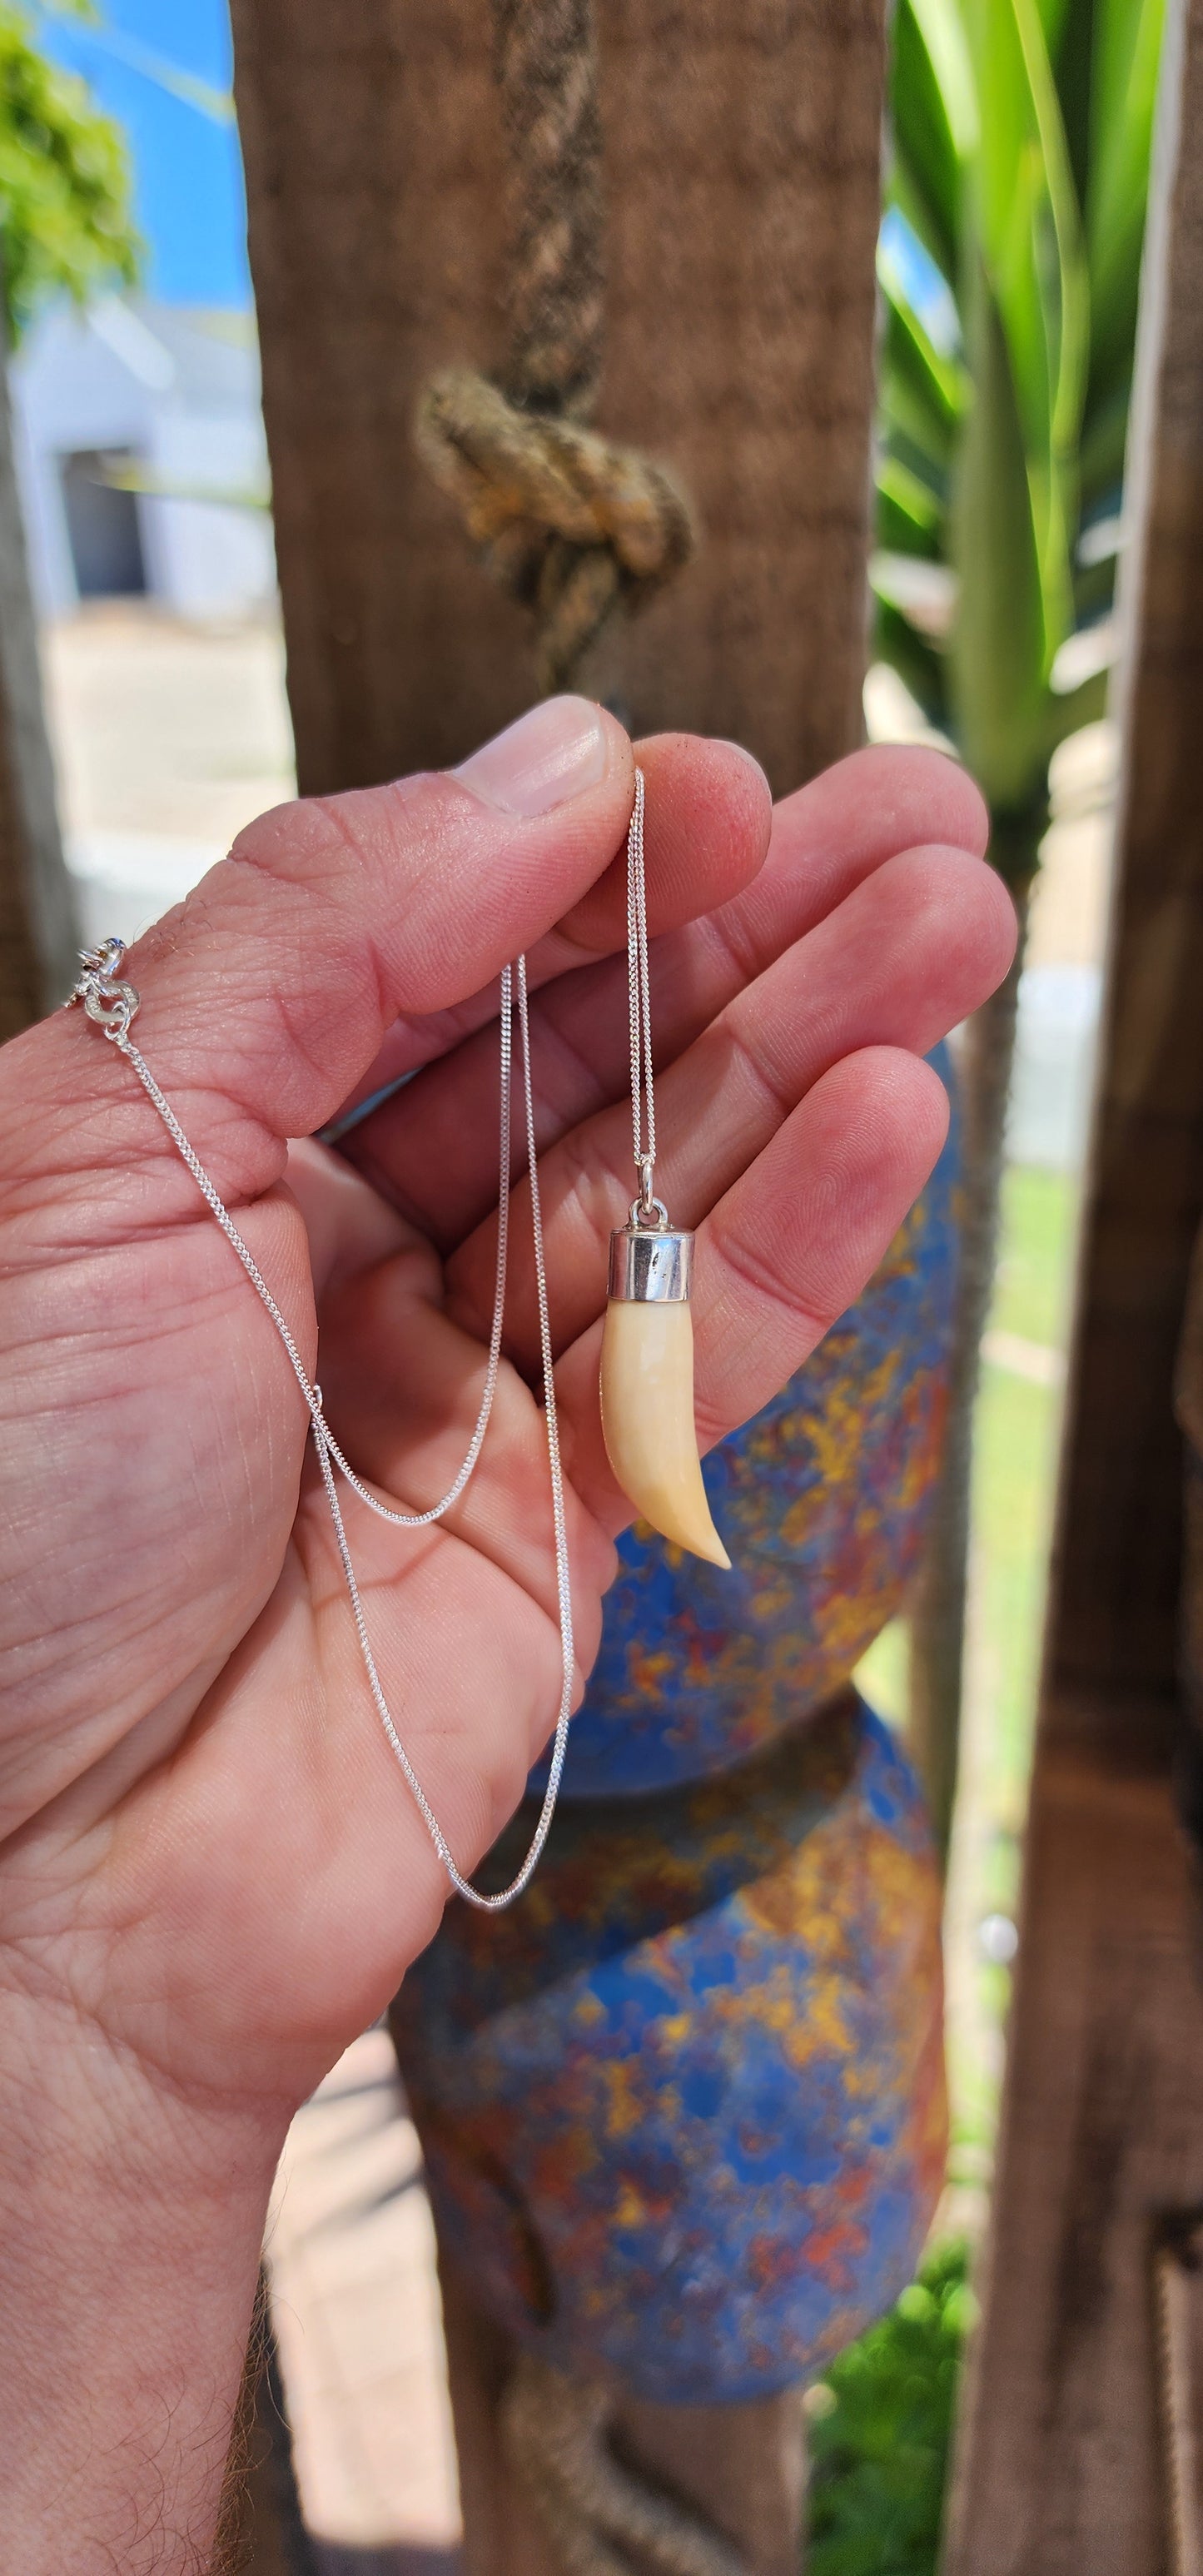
(1016, 1435)
(1015, 1465)
(1039, 1224)
(880, 2423)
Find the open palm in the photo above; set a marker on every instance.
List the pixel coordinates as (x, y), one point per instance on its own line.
(208, 1849)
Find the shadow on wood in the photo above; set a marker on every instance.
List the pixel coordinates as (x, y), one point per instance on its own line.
(1061, 2463)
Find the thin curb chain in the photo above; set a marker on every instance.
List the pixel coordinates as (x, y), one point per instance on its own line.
(643, 1096)
(112, 1005)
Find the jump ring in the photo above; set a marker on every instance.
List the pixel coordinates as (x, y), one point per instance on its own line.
(645, 1210)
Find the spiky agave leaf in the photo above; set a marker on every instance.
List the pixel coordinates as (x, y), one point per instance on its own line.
(1022, 133)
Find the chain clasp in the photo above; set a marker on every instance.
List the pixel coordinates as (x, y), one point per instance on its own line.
(106, 999)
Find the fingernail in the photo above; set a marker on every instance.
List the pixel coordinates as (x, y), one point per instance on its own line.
(552, 754)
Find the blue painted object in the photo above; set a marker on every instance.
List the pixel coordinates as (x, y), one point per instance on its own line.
(683, 2106)
(821, 1501)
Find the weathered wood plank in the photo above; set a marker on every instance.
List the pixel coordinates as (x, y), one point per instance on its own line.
(1119, 1551)
(742, 176)
(1061, 2461)
(743, 2466)
(502, 2535)
(742, 184)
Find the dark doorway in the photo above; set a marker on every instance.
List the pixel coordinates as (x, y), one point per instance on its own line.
(102, 526)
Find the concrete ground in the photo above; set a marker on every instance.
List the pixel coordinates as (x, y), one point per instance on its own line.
(350, 2250)
(168, 739)
(163, 732)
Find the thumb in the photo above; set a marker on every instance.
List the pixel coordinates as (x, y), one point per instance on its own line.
(266, 994)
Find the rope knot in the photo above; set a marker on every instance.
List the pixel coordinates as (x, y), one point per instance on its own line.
(564, 520)
(602, 2515)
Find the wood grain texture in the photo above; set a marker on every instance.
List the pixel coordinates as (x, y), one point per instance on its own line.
(741, 169)
(741, 173)
(502, 2533)
(1061, 2470)
(38, 935)
(1118, 1559)
(1061, 2456)
(743, 2467)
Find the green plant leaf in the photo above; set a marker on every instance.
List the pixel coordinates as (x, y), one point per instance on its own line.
(1029, 233)
(899, 531)
(65, 183)
(914, 438)
(930, 139)
(937, 384)
(1127, 48)
(923, 667)
(941, 28)
(990, 458)
(909, 515)
(999, 664)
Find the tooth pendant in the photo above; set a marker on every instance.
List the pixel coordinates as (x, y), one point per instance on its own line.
(647, 1383)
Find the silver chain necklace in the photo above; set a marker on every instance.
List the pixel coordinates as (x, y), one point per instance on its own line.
(643, 1096)
(113, 1004)
(647, 1343)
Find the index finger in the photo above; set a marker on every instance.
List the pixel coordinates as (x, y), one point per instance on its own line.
(709, 817)
(266, 994)
(425, 1150)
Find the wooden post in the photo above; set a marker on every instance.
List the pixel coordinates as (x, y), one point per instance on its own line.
(1060, 2464)
(38, 932)
(742, 2469)
(742, 184)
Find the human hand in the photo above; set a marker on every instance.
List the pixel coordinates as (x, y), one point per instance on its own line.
(212, 1857)
(211, 1871)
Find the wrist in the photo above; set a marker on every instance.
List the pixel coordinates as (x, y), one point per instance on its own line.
(128, 2260)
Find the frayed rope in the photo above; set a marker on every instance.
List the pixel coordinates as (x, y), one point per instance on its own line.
(601, 2517)
(564, 520)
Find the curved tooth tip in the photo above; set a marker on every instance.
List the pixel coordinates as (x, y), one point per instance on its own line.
(647, 1419)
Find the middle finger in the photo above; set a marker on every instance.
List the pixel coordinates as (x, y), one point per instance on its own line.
(907, 955)
(431, 1149)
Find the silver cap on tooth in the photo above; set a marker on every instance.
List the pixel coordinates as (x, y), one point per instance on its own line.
(651, 1265)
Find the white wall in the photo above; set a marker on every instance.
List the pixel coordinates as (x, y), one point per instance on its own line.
(186, 402)
(207, 560)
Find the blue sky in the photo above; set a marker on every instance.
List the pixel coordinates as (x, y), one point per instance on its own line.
(188, 174)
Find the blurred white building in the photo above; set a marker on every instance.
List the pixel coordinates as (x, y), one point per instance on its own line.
(167, 397)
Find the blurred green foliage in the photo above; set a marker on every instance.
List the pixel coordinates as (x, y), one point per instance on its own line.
(880, 2451)
(1010, 267)
(879, 2432)
(66, 223)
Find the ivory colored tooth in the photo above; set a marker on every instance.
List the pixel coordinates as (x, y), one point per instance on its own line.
(647, 1418)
